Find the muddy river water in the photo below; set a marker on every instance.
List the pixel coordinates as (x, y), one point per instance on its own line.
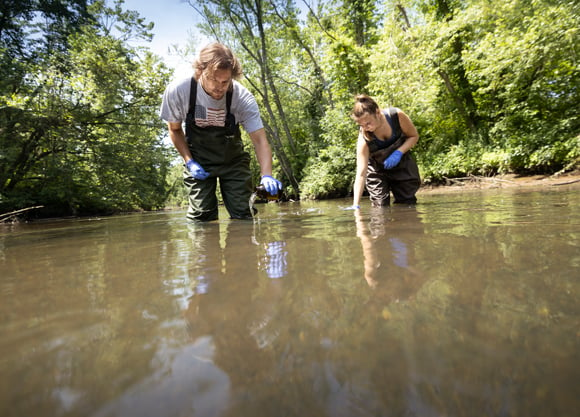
(465, 305)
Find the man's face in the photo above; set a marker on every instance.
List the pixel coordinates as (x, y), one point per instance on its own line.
(216, 83)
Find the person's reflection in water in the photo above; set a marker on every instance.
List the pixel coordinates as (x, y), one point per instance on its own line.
(205, 255)
(388, 242)
(234, 303)
(389, 238)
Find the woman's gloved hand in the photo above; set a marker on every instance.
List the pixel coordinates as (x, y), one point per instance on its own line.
(196, 170)
(393, 160)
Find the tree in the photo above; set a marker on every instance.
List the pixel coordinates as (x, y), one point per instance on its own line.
(81, 131)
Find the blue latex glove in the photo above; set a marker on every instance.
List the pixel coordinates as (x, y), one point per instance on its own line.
(393, 160)
(196, 170)
(270, 184)
(352, 208)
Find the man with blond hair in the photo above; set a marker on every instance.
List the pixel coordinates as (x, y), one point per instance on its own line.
(213, 104)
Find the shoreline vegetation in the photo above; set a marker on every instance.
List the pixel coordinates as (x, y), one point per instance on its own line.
(450, 185)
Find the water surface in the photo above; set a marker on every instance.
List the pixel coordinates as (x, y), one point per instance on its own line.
(466, 305)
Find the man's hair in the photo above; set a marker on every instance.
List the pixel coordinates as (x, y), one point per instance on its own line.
(364, 105)
(217, 56)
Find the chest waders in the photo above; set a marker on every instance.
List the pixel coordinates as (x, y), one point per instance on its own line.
(220, 151)
(403, 180)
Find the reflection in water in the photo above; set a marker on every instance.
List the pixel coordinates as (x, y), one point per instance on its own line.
(274, 262)
(269, 236)
(389, 240)
(235, 307)
(468, 302)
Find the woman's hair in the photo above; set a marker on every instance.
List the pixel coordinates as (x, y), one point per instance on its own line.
(363, 104)
(217, 56)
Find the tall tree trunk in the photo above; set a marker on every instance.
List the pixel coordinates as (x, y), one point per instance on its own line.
(274, 137)
(281, 155)
(260, 55)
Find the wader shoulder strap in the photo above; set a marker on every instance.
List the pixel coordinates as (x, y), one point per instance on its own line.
(380, 150)
(393, 119)
(193, 98)
(229, 95)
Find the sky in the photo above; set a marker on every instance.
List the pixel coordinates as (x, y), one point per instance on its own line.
(174, 22)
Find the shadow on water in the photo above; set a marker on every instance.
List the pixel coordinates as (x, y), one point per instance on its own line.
(465, 305)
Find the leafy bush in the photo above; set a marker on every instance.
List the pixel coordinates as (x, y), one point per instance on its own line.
(330, 175)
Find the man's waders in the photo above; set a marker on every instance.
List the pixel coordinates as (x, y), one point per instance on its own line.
(220, 151)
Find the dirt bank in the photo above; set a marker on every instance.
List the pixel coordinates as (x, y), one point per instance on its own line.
(503, 181)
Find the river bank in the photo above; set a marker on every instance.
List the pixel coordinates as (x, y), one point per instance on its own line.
(502, 181)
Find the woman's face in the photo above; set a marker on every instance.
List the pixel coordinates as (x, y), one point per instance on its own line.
(369, 122)
(216, 83)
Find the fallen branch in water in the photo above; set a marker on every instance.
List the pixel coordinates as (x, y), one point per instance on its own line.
(474, 178)
(567, 182)
(6, 216)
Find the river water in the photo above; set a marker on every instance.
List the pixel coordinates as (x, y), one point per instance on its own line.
(465, 305)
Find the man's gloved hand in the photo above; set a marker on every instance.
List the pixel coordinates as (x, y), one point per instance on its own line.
(270, 184)
(393, 160)
(196, 170)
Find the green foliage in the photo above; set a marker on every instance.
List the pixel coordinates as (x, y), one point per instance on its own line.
(561, 155)
(176, 192)
(329, 172)
(340, 130)
(458, 161)
(80, 131)
(466, 159)
(330, 175)
(492, 87)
